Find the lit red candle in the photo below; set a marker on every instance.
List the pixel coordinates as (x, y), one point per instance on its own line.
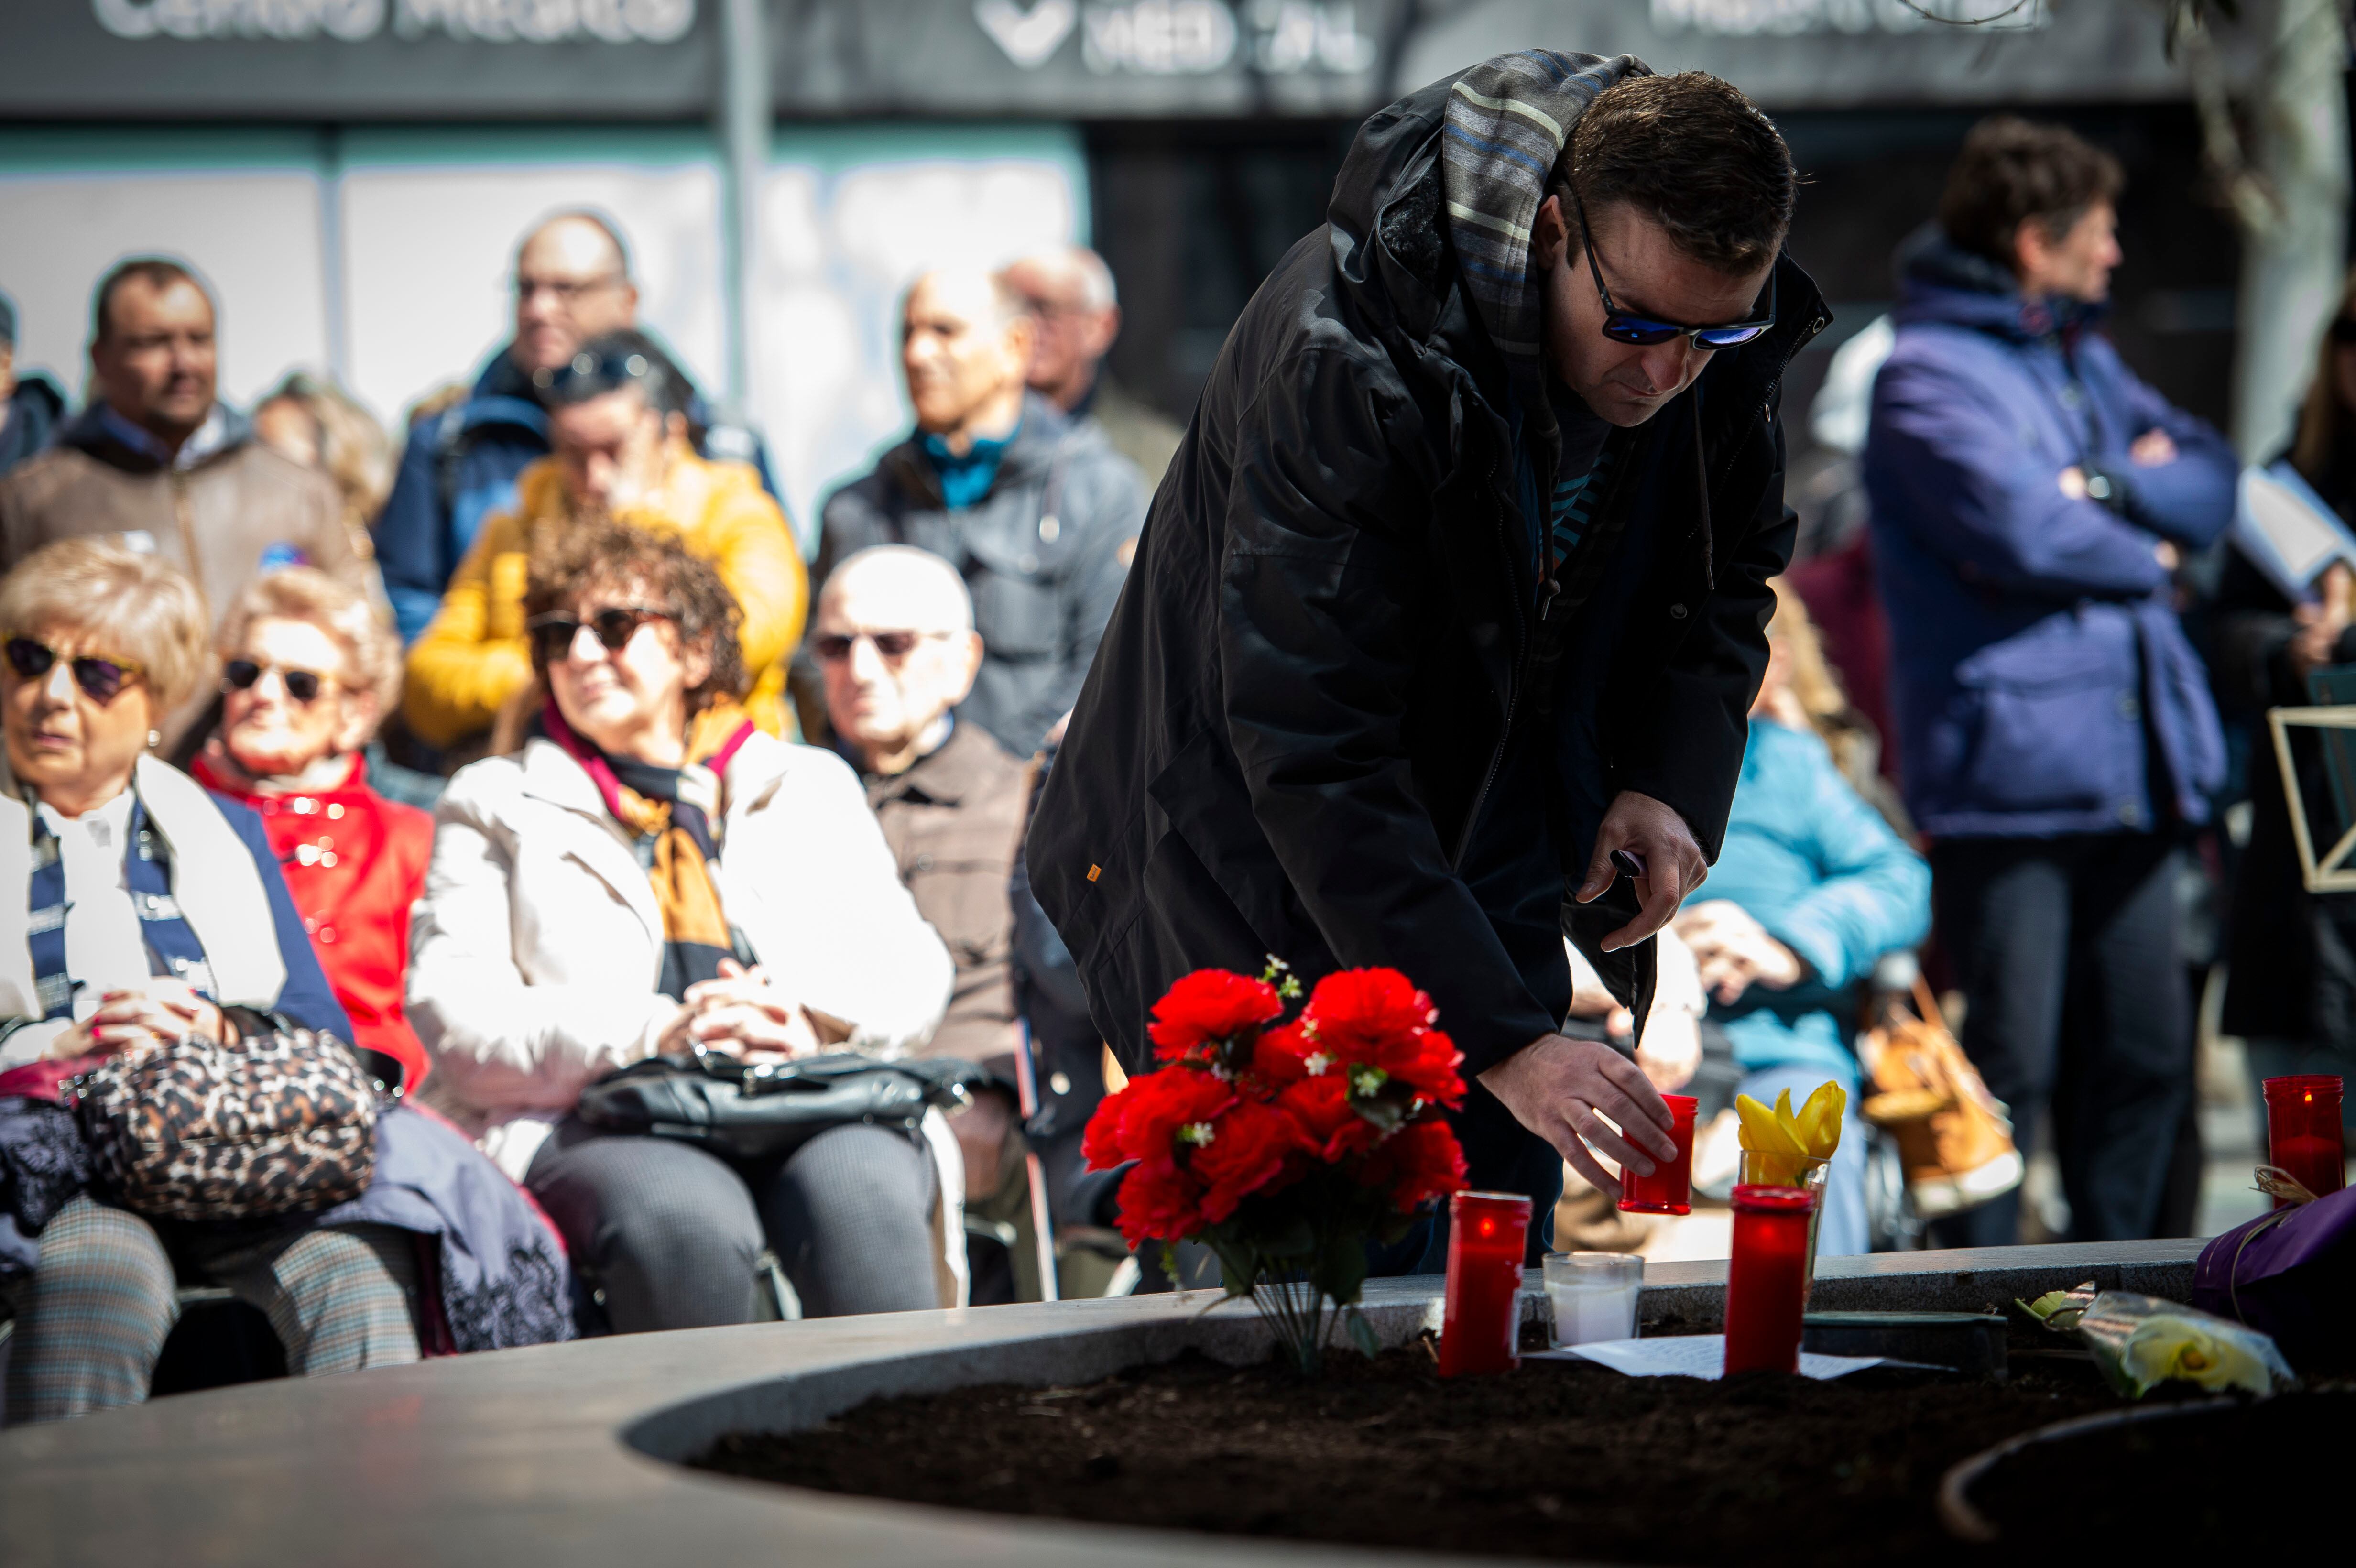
(1669, 1190)
(2303, 1131)
(1766, 1281)
(1481, 1330)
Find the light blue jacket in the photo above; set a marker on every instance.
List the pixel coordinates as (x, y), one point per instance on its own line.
(1811, 861)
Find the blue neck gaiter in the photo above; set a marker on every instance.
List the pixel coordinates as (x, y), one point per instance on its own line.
(967, 479)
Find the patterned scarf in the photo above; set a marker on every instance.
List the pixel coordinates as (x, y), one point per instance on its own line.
(172, 947)
(679, 808)
(1507, 120)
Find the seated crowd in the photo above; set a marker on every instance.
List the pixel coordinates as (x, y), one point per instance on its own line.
(662, 824)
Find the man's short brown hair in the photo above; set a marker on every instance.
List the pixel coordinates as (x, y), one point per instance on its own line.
(159, 273)
(2013, 171)
(1690, 152)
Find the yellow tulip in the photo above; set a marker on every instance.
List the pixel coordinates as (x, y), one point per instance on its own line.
(1820, 1120)
(1762, 1132)
(2167, 1347)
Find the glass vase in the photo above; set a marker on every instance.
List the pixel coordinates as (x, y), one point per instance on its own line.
(1758, 1169)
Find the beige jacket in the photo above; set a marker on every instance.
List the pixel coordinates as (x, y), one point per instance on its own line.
(216, 519)
(535, 951)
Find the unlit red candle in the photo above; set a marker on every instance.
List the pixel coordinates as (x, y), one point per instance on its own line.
(1481, 1330)
(1766, 1280)
(2303, 1132)
(1669, 1190)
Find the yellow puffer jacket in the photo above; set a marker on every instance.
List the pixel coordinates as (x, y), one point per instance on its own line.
(475, 655)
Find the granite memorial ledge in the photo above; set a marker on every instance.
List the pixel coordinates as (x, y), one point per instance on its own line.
(566, 1454)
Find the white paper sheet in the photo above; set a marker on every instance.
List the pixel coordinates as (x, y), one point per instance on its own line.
(1688, 1356)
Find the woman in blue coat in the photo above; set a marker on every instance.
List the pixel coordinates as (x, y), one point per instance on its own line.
(2030, 499)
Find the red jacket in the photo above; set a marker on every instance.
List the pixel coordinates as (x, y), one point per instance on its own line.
(355, 862)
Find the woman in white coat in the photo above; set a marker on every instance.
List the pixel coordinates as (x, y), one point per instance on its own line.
(650, 872)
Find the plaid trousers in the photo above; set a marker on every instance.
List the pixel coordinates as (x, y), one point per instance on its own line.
(92, 1319)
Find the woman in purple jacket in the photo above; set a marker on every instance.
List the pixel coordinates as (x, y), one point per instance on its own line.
(2029, 498)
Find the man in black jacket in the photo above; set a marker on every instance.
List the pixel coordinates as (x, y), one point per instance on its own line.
(1456, 589)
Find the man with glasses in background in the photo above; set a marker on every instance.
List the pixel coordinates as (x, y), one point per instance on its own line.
(617, 421)
(895, 641)
(1070, 291)
(572, 283)
(1442, 632)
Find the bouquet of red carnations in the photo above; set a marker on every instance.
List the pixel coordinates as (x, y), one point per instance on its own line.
(1285, 1148)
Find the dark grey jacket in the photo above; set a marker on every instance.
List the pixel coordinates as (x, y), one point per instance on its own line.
(1041, 553)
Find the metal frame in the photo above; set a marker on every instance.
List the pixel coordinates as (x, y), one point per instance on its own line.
(2333, 873)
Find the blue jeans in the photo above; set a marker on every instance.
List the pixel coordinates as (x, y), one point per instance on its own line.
(1841, 1230)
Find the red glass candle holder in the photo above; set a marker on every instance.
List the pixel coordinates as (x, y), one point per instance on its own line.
(1669, 1190)
(1766, 1281)
(2303, 1132)
(1482, 1331)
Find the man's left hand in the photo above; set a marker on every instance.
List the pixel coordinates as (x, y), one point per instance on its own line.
(1652, 832)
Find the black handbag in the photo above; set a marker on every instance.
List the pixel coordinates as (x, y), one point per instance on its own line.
(768, 1110)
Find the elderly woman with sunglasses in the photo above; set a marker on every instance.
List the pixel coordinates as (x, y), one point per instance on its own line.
(309, 669)
(652, 873)
(157, 912)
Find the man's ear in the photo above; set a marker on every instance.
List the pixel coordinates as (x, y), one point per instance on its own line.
(972, 667)
(1549, 236)
(1021, 340)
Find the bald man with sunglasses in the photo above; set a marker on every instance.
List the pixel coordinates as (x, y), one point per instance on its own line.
(1440, 642)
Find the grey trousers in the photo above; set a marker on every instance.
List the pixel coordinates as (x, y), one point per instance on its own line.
(670, 1234)
(92, 1319)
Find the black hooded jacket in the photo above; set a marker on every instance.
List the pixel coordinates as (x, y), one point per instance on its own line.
(1326, 721)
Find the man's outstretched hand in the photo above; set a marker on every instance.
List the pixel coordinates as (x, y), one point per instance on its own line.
(1564, 1089)
(1663, 845)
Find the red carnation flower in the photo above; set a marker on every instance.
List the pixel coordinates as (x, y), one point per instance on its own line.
(1426, 1061)
(1331, 1128)
(1375, 1018)
(1208, 1005)
(1422, 1160)
(1245, 1154)
(1359, 1009)
(1280, 1057)
(1159, 1202)
(1143, 1121)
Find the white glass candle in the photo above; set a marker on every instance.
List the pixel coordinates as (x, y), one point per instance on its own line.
(1594, 1295)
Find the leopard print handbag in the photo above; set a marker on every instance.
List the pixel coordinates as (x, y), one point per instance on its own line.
(282, 1123)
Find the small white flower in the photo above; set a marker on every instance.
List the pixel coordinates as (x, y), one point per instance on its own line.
(1317, 1064)
(1197, 1133)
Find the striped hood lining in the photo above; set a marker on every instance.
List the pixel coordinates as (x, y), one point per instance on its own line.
(1507, 120)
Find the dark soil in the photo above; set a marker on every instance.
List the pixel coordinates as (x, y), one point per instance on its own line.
(2207, 1486)
(1561, 1459)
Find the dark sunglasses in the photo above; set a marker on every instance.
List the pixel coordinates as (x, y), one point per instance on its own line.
(1622, 327)
(835, 646)
(101, 680)
(552, 636)
(303, 685)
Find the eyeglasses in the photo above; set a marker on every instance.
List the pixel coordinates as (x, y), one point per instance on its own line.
(565, 290)
(835, 646)
(552, 636)
(101, 680)
(303, 685)
(1622, 327)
